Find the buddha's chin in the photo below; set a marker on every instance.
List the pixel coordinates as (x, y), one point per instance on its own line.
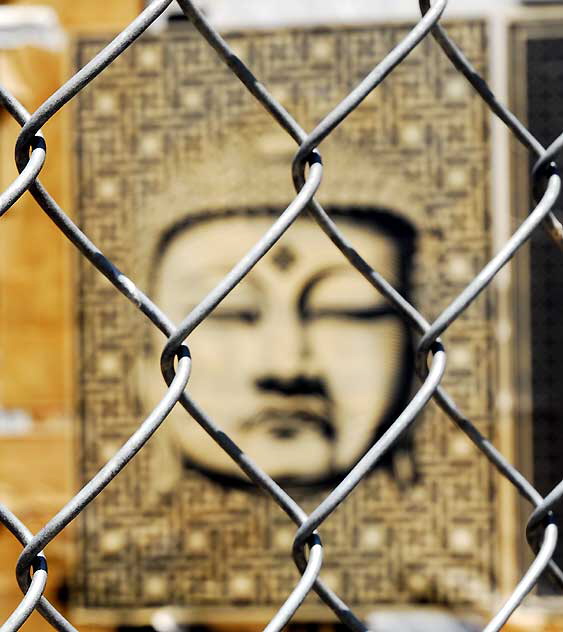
(287, 451)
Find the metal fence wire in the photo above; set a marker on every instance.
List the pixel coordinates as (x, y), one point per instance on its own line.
(307, 169)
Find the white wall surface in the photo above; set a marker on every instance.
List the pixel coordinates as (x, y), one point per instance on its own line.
(227, 14)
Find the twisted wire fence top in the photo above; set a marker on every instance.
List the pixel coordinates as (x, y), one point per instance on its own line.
(306, 171)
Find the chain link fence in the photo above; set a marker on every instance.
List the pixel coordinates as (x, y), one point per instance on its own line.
(307, 170)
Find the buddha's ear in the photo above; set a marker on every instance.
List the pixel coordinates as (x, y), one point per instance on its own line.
(166, 461)
(165, 458)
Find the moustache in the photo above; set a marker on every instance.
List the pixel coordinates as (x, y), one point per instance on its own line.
(298, 385)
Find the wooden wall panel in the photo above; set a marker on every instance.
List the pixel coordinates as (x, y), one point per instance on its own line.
(37, 314)
(84, 15)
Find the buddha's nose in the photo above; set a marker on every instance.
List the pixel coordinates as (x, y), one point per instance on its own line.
(287, 354)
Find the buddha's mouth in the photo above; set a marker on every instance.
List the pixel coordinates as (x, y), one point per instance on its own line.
(287, 422)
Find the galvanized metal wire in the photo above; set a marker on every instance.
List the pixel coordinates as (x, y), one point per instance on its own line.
(307, 170)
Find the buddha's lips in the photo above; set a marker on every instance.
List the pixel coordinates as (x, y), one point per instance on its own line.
(282, 421)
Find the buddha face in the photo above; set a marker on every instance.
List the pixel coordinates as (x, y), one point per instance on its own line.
(301, 363)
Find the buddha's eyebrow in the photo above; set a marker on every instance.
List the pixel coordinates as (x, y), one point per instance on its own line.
(317, 278)
(314, 280)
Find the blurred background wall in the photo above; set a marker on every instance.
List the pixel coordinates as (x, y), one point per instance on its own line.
(36, 316)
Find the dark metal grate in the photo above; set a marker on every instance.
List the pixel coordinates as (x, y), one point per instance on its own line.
(545, 116)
